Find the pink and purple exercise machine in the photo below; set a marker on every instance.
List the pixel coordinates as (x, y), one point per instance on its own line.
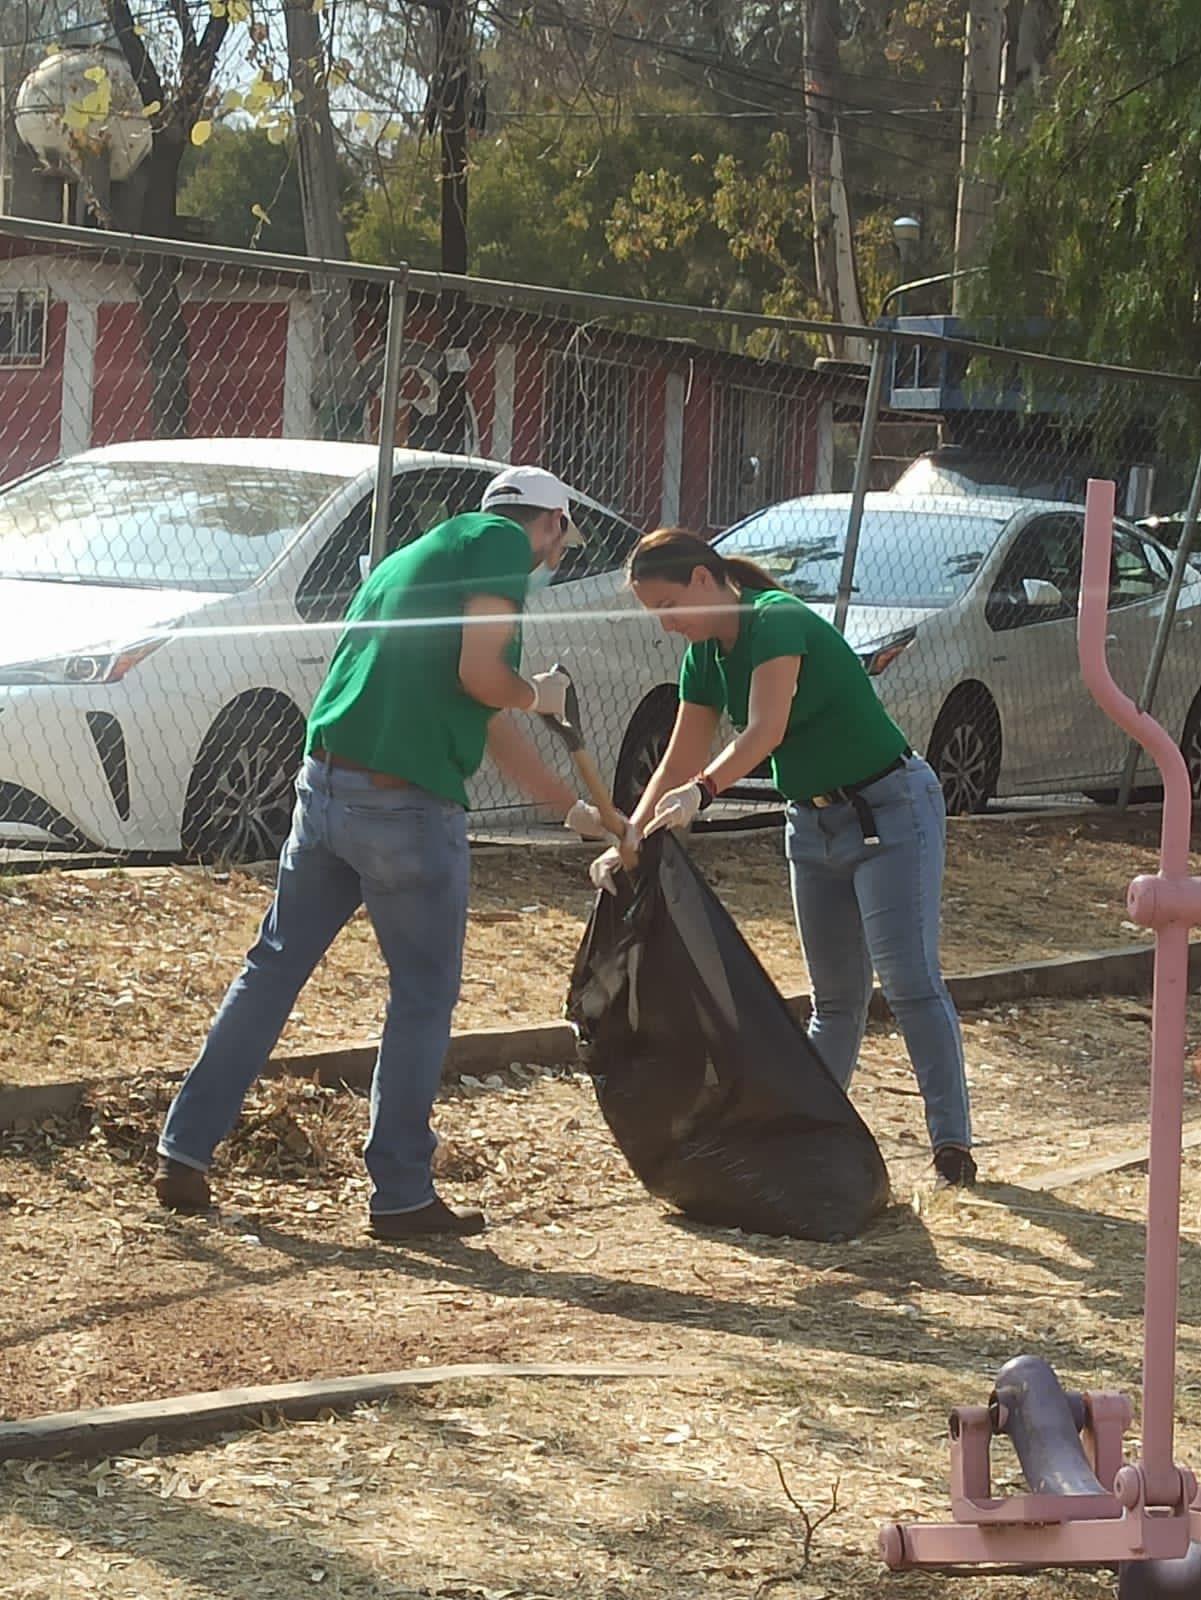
(1085, 1507)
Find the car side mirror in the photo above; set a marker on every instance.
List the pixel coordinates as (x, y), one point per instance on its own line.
(1041, 594)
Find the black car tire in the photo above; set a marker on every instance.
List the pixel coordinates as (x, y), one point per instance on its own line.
(965, 749)
(240, 794)
(1190, 749)
(643, 746)
(1190, 746)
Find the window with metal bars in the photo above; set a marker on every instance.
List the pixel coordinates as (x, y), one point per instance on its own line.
(748, 452)
(594, 425)
(23, 315)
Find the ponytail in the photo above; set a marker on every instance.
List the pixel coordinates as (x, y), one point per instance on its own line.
(672, 555)
(748, 574)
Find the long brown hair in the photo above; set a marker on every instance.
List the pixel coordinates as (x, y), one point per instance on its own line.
(672, 555)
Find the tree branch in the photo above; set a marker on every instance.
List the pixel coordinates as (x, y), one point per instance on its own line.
(196, 68)
(187, 30)
(811, 1525)
(145, 73)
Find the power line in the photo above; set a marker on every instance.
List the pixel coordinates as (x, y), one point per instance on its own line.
(849, 136)
(160, 14)
(846, 110)
(729, 69)
(853, 137)
(925, 134)
(666, 47)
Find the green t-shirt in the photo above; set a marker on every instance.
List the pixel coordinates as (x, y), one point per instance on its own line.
(838, 732)
(392, 700)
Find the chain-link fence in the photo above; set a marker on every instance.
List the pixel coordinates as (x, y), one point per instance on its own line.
(190, 454)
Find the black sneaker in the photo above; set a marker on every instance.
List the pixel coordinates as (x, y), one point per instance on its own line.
(394, 1227)
(181, 1188)
(955, 1168)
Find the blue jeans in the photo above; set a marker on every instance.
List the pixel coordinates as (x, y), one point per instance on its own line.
(403, 854)
(861, 905)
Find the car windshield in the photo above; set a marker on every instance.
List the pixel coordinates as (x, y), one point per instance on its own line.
(908, 557)
(154, 524)
(999, 477)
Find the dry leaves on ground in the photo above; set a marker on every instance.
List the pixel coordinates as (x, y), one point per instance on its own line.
(121, 973)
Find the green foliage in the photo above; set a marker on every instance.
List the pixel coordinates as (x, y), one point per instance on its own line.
(675, 166)
(1103, 192)
(247, 188)
(932, 24)
(722, 229)
(574, 203)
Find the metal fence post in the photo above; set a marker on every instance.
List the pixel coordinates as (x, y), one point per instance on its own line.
(1164, 630)
(381, 500)
(863, 463)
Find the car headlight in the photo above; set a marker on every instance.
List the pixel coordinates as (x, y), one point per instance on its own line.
(105, 664)
(884, 652)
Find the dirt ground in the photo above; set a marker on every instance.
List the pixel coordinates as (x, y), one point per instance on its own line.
(817, 1372)
(809, 1384)
(121, 972)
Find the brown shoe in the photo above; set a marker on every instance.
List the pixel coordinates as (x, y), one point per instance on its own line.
(437, 1217)
(181, 1188)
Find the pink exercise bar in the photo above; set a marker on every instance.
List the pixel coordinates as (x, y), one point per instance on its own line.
(1149, 1511)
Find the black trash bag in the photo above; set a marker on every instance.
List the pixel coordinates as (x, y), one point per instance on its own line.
(717, 1099)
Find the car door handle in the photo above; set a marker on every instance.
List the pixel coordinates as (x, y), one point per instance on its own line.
(1111, 638)
(310, 661)
(1184, 622)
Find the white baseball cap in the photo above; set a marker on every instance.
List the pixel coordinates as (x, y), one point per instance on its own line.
(531, 486)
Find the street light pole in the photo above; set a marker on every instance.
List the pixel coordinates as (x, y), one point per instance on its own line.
(906, 233)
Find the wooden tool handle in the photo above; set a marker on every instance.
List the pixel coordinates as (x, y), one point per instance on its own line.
(597, 793)
(603, 801)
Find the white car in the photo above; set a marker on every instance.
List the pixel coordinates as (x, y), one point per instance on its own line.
(964, 612)
(170, 609)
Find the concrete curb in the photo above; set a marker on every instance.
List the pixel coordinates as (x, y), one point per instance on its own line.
(1127, 970)
(483, 1051)
(106, 1429)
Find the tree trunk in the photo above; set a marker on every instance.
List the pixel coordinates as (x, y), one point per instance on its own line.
(1031, 30)
(156, 283)
(454, 78)
(981, 99)
(846, 278)
(833, 255)
(1034, 41)
(156, 278)
(341, 397)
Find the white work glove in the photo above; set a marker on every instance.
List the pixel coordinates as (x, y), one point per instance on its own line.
(585, 820)
(676, 808)
(605, 868)
(550, 694)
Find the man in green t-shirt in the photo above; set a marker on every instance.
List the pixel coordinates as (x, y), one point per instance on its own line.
(429, 655)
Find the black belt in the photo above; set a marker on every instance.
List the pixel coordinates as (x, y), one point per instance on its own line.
(852, 794)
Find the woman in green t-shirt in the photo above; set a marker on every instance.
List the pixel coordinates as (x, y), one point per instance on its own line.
(866, 829)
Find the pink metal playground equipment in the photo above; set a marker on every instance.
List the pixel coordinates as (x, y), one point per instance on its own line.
(1085, 1508)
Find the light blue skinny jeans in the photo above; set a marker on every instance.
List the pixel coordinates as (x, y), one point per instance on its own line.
(403, 854)
(860, 906)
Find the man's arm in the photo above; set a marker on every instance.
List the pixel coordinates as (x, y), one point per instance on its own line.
(518, 760)
(488, 624)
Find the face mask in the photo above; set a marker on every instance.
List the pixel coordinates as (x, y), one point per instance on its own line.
(541, 578)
